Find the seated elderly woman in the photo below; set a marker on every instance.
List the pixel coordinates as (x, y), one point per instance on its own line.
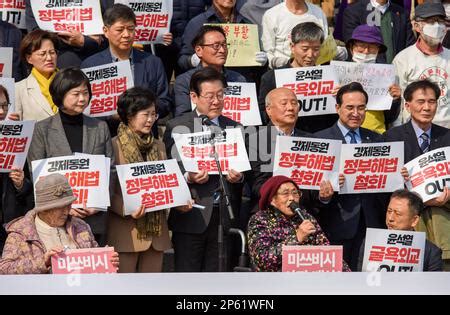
(275, 225)
(46, 230)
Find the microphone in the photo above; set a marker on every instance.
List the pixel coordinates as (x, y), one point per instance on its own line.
(206, 121)
(215, 129)
(297, 210)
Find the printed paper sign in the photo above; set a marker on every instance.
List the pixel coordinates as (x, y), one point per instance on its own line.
(84, 16)
(84, 261)
(241, 104)
(108, 82)
(374, 77)
(153, 19)
(313, 87)
(156, 185)
(196, 151)
(6, 57)
(429, 173)
(393, 250)
(86, 174)
(311, 258)
(372, 167)
(15, 140)
(308, 161)
(13, 11)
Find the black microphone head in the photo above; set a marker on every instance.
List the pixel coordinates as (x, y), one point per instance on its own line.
(294, 206)
(205, 120)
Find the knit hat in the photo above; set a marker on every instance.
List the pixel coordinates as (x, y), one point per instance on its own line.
(367, 34)
(53, 191)
(269, 189)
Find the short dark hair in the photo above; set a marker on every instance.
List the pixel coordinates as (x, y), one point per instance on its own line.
(65, 80)
(350, 88)
(206, 74)
(118, 12)
(415, 202)
(33, 41)
(308, 31)
(5, 92)
(134, 100)
(199, 39)
(421, 85)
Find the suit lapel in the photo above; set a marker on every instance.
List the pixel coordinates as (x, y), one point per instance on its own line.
(412, 148)
(338, 133)
(89, 135)
(138, 66)
(435, 137)
(34, 91)
(57, 136)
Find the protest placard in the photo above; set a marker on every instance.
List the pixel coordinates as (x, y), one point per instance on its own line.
(311, 258)
(308, 161)
(108, 82)
(374, 77)
(241, 104)
(84, 16)
(372, 167)
(13, 11)
(157, 185)
(15, 140)
(6, 57)
(313, 87)
(393, 250)
(83, 261)
(429, 173)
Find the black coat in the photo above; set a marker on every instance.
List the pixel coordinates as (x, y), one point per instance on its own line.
(10, 36)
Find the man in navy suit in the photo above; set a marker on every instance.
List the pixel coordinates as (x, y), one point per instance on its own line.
(148, 70)
(345, 218)
(420, 135)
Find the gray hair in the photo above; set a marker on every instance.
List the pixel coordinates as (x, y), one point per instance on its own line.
(308, 32)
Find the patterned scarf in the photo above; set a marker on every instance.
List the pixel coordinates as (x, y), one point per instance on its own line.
(133, 148)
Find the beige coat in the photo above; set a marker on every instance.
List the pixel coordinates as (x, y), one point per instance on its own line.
(121, 230)
(30, 103)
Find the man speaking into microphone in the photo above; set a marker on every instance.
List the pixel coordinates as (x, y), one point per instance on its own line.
(280, 221)
(194, 231)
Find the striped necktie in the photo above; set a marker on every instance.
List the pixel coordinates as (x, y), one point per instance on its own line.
(425, 146)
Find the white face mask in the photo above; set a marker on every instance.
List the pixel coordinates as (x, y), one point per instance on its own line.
(364, 58)
(434, 33)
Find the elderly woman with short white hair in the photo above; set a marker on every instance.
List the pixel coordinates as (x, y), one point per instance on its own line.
(46, 230)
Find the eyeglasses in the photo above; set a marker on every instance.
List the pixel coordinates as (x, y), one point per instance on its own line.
(43, 54)
(5, 105)
(150, 116)
(294, 193)
(216, 46)
(211, 97)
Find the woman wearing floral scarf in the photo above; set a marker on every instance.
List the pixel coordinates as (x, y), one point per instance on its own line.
(141, 238)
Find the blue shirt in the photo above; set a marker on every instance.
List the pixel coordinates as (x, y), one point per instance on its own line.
(419, 132)
(345, 131)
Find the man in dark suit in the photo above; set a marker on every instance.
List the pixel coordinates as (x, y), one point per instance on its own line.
(148, 70)
(10, 36)
(420, 135)
(389, 17)
(345, 218)
(403, 214)
(195, 231)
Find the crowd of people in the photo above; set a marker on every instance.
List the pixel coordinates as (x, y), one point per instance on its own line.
(188, 69)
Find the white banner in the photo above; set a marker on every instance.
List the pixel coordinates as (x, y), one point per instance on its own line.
(108, 82)
(375, 78)
(15, 140)
(195, 151)
(84, 16)
(241, 104)
(157, 185)
(313, 87)
(372, 167)
(86, 174)
(153, 19)
(308, 161)
(13, 11)
(429, 173)
(6, 57)
(393, 250)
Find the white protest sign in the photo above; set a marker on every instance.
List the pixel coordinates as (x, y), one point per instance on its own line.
(308, 161)
(15, 140)
(393, 250)
(86, 175)
(374, 77)
(372, 167)
(6, 57)
(13, 11)
(157, 185)
(153, 19)
(429, 173)
(108, 82)
(313, 87)
(84, 16)
(241, 104)
(195, 151)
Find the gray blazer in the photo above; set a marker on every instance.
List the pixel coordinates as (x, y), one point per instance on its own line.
(49, 140)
